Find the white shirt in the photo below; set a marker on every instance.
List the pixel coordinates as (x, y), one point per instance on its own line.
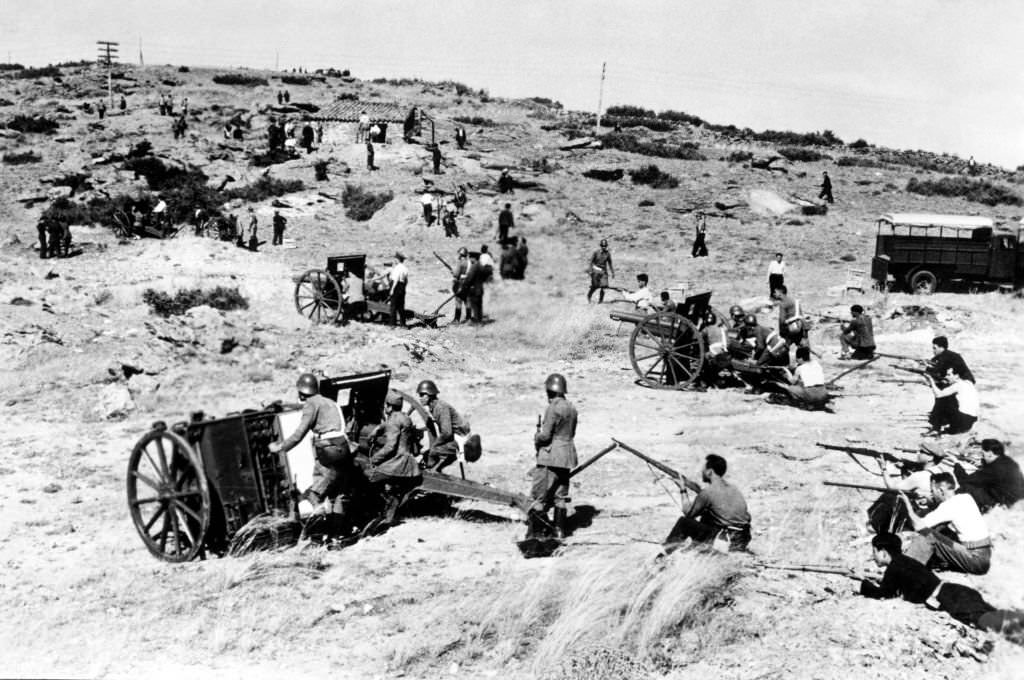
(966, 397)
(963, 516)
(364, 119)
(641, 298)
(809, 374)
(776, 267)
(486, 260)
(427, 199)
(399, 273)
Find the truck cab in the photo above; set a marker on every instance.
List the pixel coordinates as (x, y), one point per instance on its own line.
(921, 252)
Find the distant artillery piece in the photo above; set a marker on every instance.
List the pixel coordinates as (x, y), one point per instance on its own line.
(323, 295)
(206, 485)
(667, 348)
(148, 225)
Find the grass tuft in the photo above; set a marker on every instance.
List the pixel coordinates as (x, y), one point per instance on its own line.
(361, 204)
(652, 176)
(978, 191)
(166, 305)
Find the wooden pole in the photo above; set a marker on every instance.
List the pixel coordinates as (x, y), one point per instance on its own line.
(600, 99)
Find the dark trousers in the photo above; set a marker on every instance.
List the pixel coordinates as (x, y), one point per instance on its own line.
(333, 473)
(42, 242)
(963, 603)
(702, 532)
(428, 213)
(550, 487)
(398, 304)
(476, 308)
(700, 248)
(774, 281)
(502, 233)
(278, 236)
(944, 410)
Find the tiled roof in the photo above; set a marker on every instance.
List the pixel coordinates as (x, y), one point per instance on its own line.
(349, 110)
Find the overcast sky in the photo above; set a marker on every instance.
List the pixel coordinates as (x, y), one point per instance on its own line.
(942, 75)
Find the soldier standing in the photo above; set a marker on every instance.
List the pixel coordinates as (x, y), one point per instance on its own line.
(506, 221)
(600, 270)
(472, 288)
(55, 231)
(556, 456)
(279, 224)
(700, 248)
(826, 188)
(41, 227)
(369, 155)
(332, 471)
(399, 276)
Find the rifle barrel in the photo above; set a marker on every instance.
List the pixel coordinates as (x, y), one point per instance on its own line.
(813, 569)
(863, 451)
(865, 487)
(446, 265)
(654, 463)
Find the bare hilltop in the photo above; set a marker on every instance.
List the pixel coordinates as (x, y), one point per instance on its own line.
(88, 365)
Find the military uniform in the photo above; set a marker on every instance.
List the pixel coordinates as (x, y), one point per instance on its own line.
(332, 471)
(445, 448)
(393, 463)
(556, 456)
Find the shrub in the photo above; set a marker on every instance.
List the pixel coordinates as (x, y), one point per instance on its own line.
(22, 158)
(681, 117)
(544, 101)
(11, 67)
(859, 144)
(978, 191)
(858, 161)
(796, 153)
(604, 175)
(165, 305)
(361, 204)
(183, 188)
(295, 80)
(646, 203)
(476, 121)
(44, 72)
(239, 79)
(650, 123)
(320, 170)
(66, 211)
(687, 151)
(183, 69)
(33, 124)
(740, 157)
(265, 187)
(787, 137)
(6, 102)
(627, 111)
(654, 177)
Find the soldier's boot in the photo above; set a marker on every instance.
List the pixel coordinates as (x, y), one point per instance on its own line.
(457, 318)
(535, 525)
(560, 523)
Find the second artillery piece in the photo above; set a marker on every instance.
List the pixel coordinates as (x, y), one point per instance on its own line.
(340, 292)
(667, 349)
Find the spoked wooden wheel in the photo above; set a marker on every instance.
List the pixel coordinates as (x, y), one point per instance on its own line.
(168, 496)
(318, 296)
(421, 420)
(666, 351)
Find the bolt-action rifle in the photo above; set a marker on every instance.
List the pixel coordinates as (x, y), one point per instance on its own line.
(446, 265)
(849, 572)
(674, 475)
(866, 487)
(866, 452)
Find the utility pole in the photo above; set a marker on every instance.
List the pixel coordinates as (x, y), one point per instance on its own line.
(141, 62)
(600, 99)
(108, 55)
(277, 60)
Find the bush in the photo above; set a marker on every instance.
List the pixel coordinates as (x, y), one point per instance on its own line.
(681, 117)
(544, 101)
(650, 123)
(22, 158)
(44, 72)
(687, 151)
(11, 67)
(265, 187)
(163, 304)
(183, 188)
(826, 138)
(858, 161)
(361, 204)
(33, 124)
(476, 121)
(320, 170)
(740, 157)
(239, 79)
(654, 177)
(978, 191)
(859, 144)
(184, 69)
(626, 111)
(295, 80)
(796, 153)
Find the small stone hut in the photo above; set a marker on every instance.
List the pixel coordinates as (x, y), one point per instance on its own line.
(341, 120)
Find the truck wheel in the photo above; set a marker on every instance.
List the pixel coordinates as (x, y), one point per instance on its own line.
(923, 282)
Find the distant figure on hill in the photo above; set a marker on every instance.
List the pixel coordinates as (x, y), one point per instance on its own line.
(506, 220)
(972, 167)
(280, 97)
(460, 199)
(279, 225)
(123, 104)
(451, 229)
(254, 241)
(776, 274)
(435, 153)
(375, 132)
(287, 97)
(409, 125)
(319, 133)
(41, 230)
(101, 109)
(363, 127)
(307, 138)
(505, 183)
(460, 137)
(826, 187)
(399, 276)
(601, 270)
(472, 289)
(700, 248)
(523, 258)
(369, 156)
(427, 201)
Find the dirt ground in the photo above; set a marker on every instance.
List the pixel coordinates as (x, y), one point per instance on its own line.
(81, 597)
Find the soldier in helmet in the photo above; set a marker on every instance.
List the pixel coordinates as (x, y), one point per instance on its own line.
(333, 470)
(600, 270)
(445, 449)
(392, 457)
(556, 456)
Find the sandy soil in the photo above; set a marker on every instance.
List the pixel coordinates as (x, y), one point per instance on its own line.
(83, 598)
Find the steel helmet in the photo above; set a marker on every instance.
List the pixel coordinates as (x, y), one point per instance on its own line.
(604, 242)
(308, 384)
(736, 311)
(427, 387)
(750, 320)
(556, 383)
(395, 400)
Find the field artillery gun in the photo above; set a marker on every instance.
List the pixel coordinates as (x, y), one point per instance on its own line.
(192, 487)
(667, 348)
(340, 292)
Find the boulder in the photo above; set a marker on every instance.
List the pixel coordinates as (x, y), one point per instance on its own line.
(111, 401)
(768, 203)
(141, 385)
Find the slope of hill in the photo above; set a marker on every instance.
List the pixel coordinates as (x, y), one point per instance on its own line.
(87, 367)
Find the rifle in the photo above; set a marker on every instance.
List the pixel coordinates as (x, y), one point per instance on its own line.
(674, 475)
(834, 380)
(915, 371)
(815, 569)
(446, 265)
(828, 318)
(593, 459)
(863, 451)
(901, 357)
(864, 487)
